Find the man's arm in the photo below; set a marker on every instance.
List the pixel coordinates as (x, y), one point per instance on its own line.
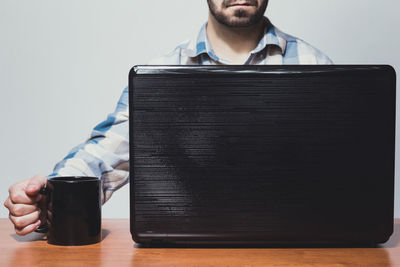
(105, 154)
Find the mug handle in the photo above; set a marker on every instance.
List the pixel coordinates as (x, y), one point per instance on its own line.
(44, 228)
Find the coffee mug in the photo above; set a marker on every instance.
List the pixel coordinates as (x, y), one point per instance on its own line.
(73, 210)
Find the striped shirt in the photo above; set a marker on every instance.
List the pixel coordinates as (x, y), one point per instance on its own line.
(106, 152)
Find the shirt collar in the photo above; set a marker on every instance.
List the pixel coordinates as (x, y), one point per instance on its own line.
(200, 44)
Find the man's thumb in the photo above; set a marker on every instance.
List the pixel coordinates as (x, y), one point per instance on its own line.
(35, 184)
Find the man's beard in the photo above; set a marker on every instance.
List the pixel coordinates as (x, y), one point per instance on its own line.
(246, 20)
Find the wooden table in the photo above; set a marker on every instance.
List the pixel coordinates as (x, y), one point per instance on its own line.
(117, 249)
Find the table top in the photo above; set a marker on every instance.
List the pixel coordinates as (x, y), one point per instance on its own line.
(117, 249)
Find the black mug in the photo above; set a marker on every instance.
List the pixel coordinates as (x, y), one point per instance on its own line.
(73, 211)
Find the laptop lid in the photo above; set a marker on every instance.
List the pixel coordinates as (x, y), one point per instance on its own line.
(262, 154)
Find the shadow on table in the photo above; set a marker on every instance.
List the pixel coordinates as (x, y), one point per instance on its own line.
(32, 237)
(394, 240)
(251, 246)
(104, 234)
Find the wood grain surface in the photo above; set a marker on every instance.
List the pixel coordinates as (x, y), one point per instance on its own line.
(117, 249)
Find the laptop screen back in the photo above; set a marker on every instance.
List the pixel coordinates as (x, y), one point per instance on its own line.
(276, 154)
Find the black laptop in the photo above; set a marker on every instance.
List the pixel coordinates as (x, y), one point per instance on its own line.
(262, 154)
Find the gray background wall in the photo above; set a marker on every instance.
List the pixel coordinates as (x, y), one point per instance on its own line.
(63, 64)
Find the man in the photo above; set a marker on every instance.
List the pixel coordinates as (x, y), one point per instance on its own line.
(236, 33)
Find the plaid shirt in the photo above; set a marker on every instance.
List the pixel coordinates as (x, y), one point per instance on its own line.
(106, 153)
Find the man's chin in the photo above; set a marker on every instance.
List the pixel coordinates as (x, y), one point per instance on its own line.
(241, 22)
(238, 18)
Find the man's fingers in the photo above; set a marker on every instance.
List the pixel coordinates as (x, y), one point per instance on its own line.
(20, 209)
(27, 192)
(21, 222)
(27, 229)
(23, 201)
(18, 195)
(35, 184)
(7, 203)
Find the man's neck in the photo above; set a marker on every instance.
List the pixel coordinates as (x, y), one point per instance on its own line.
(233, 44)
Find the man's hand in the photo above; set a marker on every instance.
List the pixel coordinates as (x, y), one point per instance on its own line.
(22, 203)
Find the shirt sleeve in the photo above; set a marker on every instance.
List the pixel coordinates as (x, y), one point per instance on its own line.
(105, 154)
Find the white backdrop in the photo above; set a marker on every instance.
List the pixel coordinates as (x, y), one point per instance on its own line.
(63, 64)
